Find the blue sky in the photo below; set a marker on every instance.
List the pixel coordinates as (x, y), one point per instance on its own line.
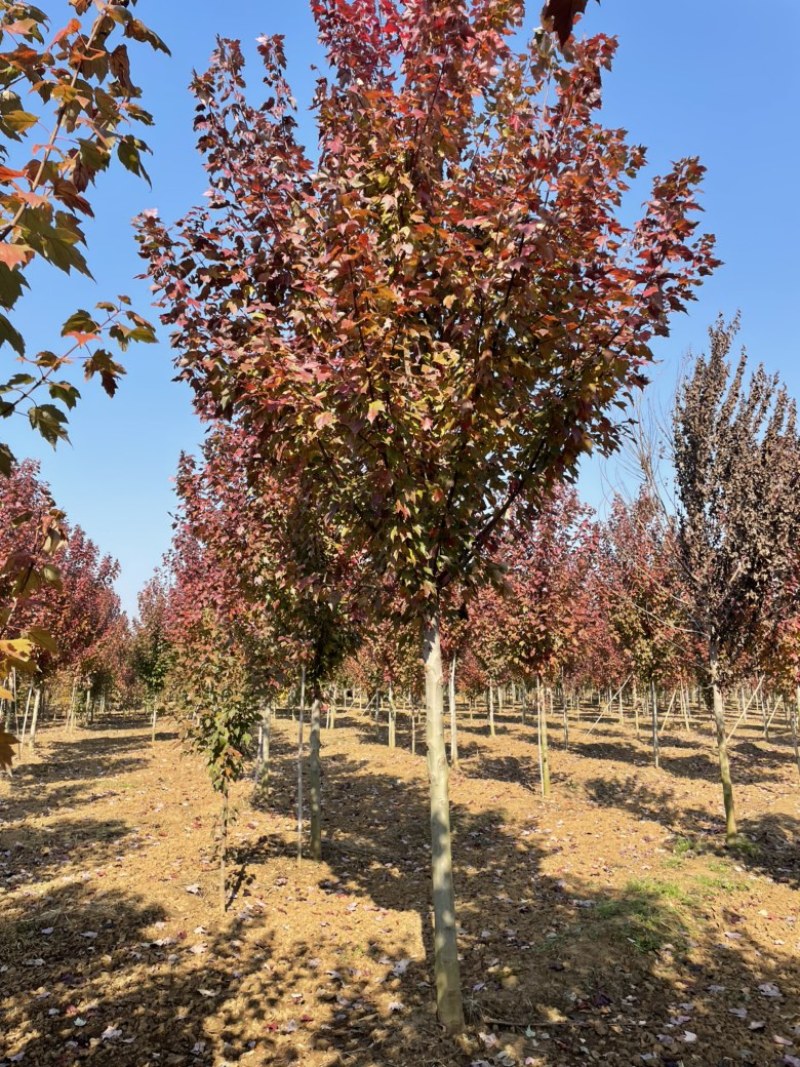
(714, 79)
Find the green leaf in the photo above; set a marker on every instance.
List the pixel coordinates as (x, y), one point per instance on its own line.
(6, 460)
(43, 638)
(65, 392)
(19, 121)
(49, 421)
(80, 322)
(11, 336)
(129, 151)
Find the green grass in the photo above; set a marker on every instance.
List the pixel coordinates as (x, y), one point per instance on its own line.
(648, 913)
(744, 847)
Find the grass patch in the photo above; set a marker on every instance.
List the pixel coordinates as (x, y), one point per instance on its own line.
(688, 846)
(647, 913)
(743, 846)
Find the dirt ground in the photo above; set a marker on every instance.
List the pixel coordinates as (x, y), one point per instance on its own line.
(605, 925)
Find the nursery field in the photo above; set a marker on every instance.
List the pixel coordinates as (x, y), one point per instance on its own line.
(606, 924)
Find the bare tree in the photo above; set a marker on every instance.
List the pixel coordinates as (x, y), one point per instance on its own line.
(737, 475)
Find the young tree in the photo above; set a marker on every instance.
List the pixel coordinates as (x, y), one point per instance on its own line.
(737, 473)
(434, 320)
(281, 565)
(644, 595)
(150, 647)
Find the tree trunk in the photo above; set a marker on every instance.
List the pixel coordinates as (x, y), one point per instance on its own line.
(223, 850)
(35, 718)
(315, 775)
(451, 693)
(635, 710)
(300, 765)
(392, 720)
(718, 714)
(262, 755)
(448, 977)
(566, 717)
(155, 720)
(654, 712)
(25, 717)
(544, 753)
(491, 710)
(794, 713)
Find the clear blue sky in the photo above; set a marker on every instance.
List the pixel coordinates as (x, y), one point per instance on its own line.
(716, 79)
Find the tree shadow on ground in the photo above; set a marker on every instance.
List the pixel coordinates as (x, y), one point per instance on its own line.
(522, 771)
(559, 971)
(29, 854)
(534, 948)
(770, 843)
(759, 765)
(87, 757)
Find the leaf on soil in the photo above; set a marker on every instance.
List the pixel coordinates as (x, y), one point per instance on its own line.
(769, 989)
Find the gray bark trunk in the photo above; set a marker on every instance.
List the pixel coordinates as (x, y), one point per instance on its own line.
(654, 711)
(392, 720)
(718, 714)
(315, 775)
(300, 764)
(446, 966)
(451, 692)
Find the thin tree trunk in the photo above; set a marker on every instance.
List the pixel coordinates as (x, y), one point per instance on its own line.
(392, 719)
(544, 754)
(635, 710)
(446, 966)
(451, 693)
(566, 716)
(262, 755)
(155, 720)
(718, 714)
(300, 764)
(224, 850)
(315, 774)
(25, 717)
(654, 712)
(491, 710)
(794, 712)
(35, 718)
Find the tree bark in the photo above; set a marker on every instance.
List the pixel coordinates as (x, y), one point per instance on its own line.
(223, 854)
(718, 714)
(795, 712)
(446, 966)
(544, 752)
(35, 718)
(392, 720)
(315, 774)
(262, 756)
(654, 711)
(635, 710)
(491, 710)
(300, 764)
(451, 693)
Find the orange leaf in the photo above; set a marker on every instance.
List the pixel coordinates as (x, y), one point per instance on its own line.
(14, 255)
